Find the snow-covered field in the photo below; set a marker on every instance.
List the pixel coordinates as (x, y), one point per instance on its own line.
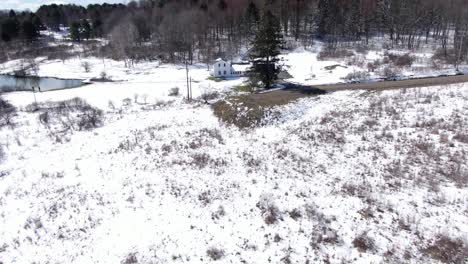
(346, 177)
(150, 78)
(304, 66)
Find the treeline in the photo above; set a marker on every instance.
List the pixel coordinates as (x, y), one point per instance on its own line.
(24, 26)
(178, 30)
(101, 18)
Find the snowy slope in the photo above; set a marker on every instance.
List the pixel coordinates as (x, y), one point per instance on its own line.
(347, 177)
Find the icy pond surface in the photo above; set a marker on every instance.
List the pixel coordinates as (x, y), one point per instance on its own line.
(13, 83)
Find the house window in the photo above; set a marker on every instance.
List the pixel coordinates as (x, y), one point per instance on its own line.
(219, 72)
(224, 64)
(219, 64)
(224, 72)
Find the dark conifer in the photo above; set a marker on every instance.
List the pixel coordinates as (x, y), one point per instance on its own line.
(265, 50)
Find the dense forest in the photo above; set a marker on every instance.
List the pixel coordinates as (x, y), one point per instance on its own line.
(199, 30)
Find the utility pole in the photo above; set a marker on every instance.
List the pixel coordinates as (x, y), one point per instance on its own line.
(188, 85)
(191, 88)
(35, 101)
(460, 51)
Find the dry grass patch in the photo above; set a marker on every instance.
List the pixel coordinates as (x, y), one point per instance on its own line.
(447, 250)
(253, 110)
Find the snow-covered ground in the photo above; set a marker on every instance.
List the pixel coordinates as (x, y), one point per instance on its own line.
(150, 78)
(306, 68)
(346, 177)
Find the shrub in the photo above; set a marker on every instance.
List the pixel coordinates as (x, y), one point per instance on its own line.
(86, 66)
(7, 112)
(253, 81)
(145, 98)
(201, 160)
(330, 52)
(174, 91)
(357, 76)
(32, 107)
(73, 114)
(271, 215)
(363, 49)
(2, 154)
(372, 66)
(270, 212)
(323, 234)
(295, 214)
(32, 66)
(90, 118)
(277, 238)
(357, 60)
(404, 61)
(44, 118)
(390, 72)
(104, 76)
(205, 198)
(130, 259)
(447, 250)
(27, 67)
(111, 105)
(445, 56)
(127, 101)
(209, 94)
(215, 253)
(220, 212)
(462, 137)
(364, 243)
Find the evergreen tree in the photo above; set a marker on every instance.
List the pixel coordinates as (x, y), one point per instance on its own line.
(10, 28)
(30, 30)
(86, 29)
(55, 19)
(37, 22)
(323, 15)
(222, 5)
(204, 7)
(97, 27)
(265, 50)
(75, 28)
(251, 17)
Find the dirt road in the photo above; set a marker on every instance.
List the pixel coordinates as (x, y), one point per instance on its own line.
(414, 83)
(295, 91)
(252, 105)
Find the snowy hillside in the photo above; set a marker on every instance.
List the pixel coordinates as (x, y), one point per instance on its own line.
(346, 177)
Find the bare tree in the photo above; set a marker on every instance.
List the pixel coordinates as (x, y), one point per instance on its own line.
(122, 39)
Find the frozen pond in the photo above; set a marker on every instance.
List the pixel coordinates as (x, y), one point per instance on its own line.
(10, 83)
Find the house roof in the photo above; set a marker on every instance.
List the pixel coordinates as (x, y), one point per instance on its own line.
(241, 67)
(219, 59)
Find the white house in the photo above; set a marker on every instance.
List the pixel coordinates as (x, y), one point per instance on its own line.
(224, 68)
